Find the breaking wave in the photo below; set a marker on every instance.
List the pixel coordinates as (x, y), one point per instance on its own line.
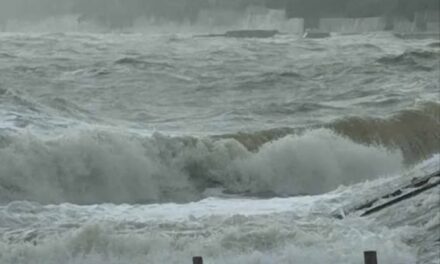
(416, 131)
(95, 167)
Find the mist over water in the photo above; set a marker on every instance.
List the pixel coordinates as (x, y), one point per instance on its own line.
(126, 137)
(95, 167)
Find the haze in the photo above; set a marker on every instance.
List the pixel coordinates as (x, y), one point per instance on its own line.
(123, 13)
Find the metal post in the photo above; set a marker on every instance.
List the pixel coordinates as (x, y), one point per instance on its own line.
(197, 260)
(370, 257)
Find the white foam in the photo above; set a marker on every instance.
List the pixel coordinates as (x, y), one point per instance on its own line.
(316, 162)
(93, 166)
(222, 230)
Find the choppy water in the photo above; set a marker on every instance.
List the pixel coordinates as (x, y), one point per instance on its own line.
(135, 118)
(92, 119)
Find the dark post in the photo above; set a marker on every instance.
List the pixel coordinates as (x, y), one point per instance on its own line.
(197, 260)
(370, 257)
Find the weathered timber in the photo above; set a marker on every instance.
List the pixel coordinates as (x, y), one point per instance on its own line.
(421, 184)
(370, 257)
(401, 198)
(197, 260)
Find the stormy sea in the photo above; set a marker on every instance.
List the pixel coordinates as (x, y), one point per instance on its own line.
(153, 148)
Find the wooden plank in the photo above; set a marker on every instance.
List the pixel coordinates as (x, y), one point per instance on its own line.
(197, 260)
(415, 183)
(370, 257)
(401, 198)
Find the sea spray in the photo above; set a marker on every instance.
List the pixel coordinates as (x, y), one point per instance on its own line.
(95, 166)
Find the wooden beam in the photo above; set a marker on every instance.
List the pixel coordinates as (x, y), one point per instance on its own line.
(197, 260)
(370, 257)
(421, 183)
(401, 198)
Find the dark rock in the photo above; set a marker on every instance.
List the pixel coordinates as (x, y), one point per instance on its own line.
(257, 33)
(251, 33)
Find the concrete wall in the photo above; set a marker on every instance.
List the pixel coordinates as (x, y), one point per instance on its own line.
(431, 18)
(253, 17)
(428, 21)
(269, 19)
(352, 25)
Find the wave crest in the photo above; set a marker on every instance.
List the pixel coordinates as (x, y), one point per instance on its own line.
(96, 167)
(416, 59)
(416, 131)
